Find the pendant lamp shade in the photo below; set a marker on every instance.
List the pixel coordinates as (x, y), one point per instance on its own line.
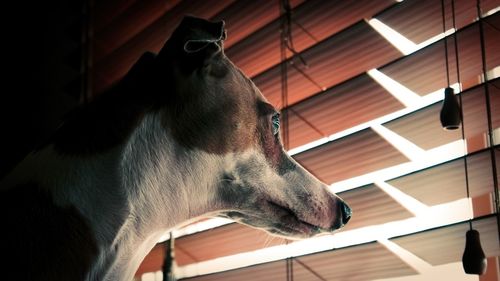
(450, 112)
(473, 260)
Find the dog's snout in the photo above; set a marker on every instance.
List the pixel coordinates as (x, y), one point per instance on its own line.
(346, 212)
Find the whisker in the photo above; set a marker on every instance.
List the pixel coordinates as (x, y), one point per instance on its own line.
(266, 240)
(269, 238)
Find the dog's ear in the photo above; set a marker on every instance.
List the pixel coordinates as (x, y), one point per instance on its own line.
(195, 38)
(203, 34)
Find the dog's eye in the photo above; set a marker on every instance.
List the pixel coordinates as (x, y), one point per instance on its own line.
(276, 123)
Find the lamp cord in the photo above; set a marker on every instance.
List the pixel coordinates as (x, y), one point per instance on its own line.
(169, 260)
(488, 115)
(289, 269)
(457, 62)
(445, 43)
(286, 44)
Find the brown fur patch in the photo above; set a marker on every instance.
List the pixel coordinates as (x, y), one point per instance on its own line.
(41, 241)
(215, 109)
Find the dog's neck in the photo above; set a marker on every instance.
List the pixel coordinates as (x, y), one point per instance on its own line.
(164, 185)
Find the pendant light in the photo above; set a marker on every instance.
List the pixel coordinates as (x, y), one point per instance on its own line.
(450, 110)
(473, 259)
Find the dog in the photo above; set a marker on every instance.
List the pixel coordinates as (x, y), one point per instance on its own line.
(184, 134)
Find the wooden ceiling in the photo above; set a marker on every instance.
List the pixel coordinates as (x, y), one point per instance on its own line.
(334, 94)
(372, 261)
(364, 262)
(446, 182)
(444, 245)
(354, 155)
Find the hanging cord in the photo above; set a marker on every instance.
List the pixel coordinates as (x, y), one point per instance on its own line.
(455, 41)
(488, 115)
(288, 32)
(290, 46)
(445, 43)
(289, 269)
(285, 26)
(169, 260)
(457, 62)
(287, 44)
(289, 266)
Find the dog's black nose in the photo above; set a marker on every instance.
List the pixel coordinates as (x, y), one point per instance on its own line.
(346, 212)
(342, 215)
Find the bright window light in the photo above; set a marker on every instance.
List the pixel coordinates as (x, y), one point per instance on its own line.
(196, 227)
(152, 276)
(431, 157)
(414, 206)
(408, 257)
(406, 147)
(400, 42)
(307, 146)
(435, 38)
(491, 12)
(496, 136)
(451, 271)
(400, 92)
(492, 74)
(403, 44)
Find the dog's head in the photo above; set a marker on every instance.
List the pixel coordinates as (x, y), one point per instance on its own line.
(215, 108)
